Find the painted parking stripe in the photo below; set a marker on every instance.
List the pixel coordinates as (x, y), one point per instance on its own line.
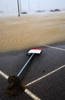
(34, 97)
(4, 75)
(45, 75)
(55, 48)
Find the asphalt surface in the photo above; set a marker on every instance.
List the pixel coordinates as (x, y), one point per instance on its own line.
(52, 87)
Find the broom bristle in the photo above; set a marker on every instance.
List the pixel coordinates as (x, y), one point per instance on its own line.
(15, 86)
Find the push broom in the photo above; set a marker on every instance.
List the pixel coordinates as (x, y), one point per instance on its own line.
(15, 86)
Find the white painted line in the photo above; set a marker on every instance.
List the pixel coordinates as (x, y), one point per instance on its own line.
(4, 75)
(34, 97)
(55, 48)
(45, 75)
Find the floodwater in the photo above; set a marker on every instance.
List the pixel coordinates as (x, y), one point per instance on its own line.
(17, 33)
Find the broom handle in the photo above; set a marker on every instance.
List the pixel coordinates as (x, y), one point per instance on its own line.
(25, 65)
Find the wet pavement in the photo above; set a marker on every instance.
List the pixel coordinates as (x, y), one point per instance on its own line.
(52, 87)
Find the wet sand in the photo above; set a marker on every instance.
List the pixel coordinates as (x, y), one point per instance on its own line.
(17, 33)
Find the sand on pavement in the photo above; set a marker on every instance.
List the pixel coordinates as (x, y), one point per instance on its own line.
(28, 31)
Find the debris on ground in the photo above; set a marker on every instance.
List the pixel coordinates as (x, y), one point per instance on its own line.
(15, 86)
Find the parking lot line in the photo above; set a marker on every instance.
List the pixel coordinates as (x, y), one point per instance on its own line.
(55, 48)
(4, 75)
(34, 97)
(45, 75)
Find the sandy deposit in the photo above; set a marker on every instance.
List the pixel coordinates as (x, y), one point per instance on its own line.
(28, 31)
